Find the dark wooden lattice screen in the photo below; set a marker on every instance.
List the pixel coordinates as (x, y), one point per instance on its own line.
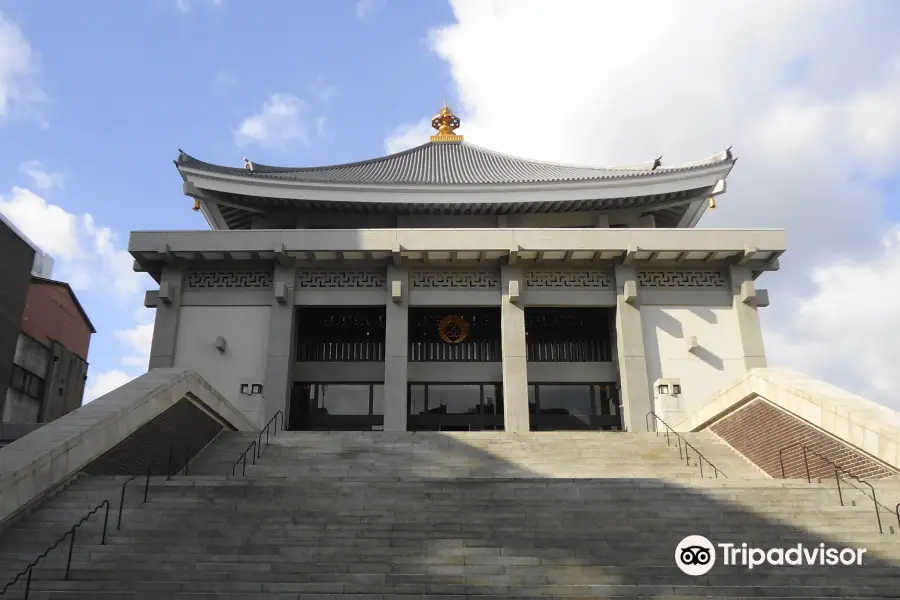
(567, 334)
(343, 334)
(482, 343)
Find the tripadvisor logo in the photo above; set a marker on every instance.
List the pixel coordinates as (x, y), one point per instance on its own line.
(696, 555)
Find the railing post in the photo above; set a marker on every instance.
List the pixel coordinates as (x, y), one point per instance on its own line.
(147, 485)
(121, 504)
(28, 582)
(71, 547)
(806, 462)
(877, 512)
(897, 511)
(187, 458)
(701, 467)
(244, 470)
(169, 465)
(837, 479)
(105, 523)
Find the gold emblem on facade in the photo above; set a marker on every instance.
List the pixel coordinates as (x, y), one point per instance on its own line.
(453, 329)
(446, 123)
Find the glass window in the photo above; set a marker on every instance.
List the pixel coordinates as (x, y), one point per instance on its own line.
(454, 399)
(341, 399)
(417, 399)
(492, 400)
(573, 400)
(532, 402)
(378, 399)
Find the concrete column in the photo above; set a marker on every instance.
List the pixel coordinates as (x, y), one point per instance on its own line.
(168, 310)
(396, 347)
(746, 312)
(512, 336)
(634, 381)
(280, 355)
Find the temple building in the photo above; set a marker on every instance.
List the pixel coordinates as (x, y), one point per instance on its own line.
(451, 287)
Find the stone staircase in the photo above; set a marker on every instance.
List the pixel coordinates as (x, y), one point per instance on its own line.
(393, 516)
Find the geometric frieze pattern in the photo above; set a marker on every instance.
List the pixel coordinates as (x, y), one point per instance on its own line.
(598, 280)
(480, 280)
(341, 279)
(257, 280)
(682, 279)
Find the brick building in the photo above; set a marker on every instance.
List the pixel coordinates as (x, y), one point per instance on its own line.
(44, 340)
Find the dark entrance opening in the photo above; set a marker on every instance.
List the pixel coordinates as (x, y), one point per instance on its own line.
(337, 406)
(348, 335)
(573, 406)
(571, 335)
(455, 407)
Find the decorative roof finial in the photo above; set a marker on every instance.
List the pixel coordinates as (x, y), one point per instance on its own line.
(446, 123)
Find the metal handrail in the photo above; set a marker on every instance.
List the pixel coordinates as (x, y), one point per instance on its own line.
(187, 460)
(687, 445)
(243, 456)
(897, 510)
(257, 444)
(838, 470)
(68, 534)
(265, 429)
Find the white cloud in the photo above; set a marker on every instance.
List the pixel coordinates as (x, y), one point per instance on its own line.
(105, 382)
(807, 92)
(86, 256)
(18, 68)
(277, 124)
(138, 340)
(52, 228)
(43, 180)
(408, 136)
(367, 8)
(848, 324)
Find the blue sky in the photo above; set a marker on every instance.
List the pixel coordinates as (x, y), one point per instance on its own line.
(128, 83)
(96, 98)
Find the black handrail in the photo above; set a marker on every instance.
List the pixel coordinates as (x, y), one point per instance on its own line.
(257, 445)
(687, 445)
(838, 471)
(266, 430)
(243, 456)
(897, 510)
(68, 534)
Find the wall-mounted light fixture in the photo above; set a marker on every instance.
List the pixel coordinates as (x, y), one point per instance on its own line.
(220, 344)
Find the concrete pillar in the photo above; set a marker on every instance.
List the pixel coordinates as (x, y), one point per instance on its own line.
(512, 336)
(396, 348)
(634, 381)
(746, 312)
(168, 310)
(280, 356)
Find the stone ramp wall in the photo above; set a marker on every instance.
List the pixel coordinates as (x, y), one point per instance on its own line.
(760, 430)
(106, 435)
(768, 410)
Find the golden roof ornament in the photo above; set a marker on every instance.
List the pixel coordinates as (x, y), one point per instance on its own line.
(446, 123)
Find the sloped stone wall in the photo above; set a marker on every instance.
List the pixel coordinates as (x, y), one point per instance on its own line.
(759, 430)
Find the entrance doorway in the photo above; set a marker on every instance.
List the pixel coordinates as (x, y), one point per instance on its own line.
(455, 407)
(565, 406)
(337, 407)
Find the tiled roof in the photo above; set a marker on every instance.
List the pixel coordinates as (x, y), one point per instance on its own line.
(447, 163)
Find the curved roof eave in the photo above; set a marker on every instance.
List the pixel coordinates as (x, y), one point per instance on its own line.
(638, 185)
